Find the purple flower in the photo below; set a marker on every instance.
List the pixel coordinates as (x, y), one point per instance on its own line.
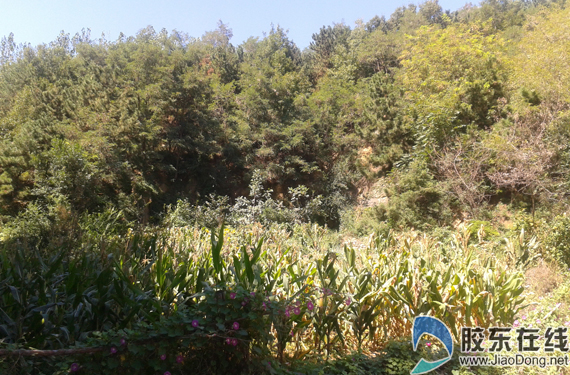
(538, 321)
(243, 303)
(235, 326)
(296, 311)
(195, 323)
(567, 323)
(310, 305)
(428, 344)
(163, 357)
(113, 350)
(232, 295)
(287, 313)
(74, 367)
(252, 294)
(298, 303)
(179, 359)
(264, 306)
(229, 341)
(348, 301)
(517, 323)
(234, 342)
(167, 373)
(123, 342)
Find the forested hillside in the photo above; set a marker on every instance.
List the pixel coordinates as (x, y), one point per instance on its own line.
(427, 120)
(457, 110)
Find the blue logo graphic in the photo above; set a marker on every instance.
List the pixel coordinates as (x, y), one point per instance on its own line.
(436, 328)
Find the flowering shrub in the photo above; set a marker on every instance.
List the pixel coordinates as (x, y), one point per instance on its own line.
(230, 338)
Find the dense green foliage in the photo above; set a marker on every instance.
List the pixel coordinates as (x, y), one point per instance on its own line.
(141, 122)
(116, 156)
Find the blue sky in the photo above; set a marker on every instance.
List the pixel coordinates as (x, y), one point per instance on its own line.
(40, 21)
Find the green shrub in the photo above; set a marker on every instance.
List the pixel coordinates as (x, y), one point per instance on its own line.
(415, 199)
(361, 222)
(223, 331)
(208, 215)
(557, 241)
(260, 207)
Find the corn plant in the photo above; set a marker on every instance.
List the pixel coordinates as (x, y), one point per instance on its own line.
(363, 300)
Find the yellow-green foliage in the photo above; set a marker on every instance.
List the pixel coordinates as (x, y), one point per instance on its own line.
(401, 276)
(453, 72)
(543, 61)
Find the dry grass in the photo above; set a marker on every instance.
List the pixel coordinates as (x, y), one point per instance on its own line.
(543, 279)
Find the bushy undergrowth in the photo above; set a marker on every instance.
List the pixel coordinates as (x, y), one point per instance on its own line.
(259, 207)
(557, 242)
